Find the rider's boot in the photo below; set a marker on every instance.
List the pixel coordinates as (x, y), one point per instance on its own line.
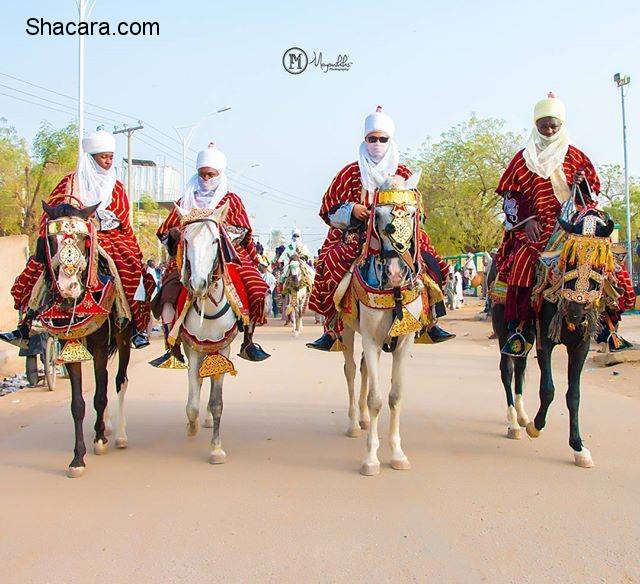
(172, 357)
(20, 336)
(249, 350)
(330, 340)
(609, 334)
(519, 342)
(140, 340)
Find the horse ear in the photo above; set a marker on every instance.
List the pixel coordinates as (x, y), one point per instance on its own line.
(413, 180)
(570, 227)
(87, 212)
(48, 209)
(605, 230)
(220, 214)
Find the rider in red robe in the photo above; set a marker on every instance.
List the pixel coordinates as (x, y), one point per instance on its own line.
(537, 182)
(345, 208)
(208, 189)
(94, 183)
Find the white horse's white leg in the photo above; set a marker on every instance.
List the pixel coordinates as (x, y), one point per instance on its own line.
(365, 420)
(399, 460)
(513, 428)
(523, 418)
(353, 431)
(195, 384)
(371, 347)
(217, 455)
(121, 440)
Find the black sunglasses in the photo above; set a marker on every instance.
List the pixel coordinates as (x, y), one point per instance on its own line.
(374, 139)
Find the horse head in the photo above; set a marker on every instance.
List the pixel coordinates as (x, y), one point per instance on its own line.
(200, 243)
(395, 219)
(67, 246)
(585, 261)
(294, 273)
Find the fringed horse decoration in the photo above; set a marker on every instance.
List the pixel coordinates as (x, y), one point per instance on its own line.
(298, 281)
(385, 298)
(75, 299)
(575, 285)
(208, 314)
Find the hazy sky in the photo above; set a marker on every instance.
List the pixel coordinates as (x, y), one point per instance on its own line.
(429, 64)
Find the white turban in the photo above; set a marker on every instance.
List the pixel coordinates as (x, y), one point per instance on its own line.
(98, 142)
(551, 107)
(212, 158)
(200, 194)
(296, 231)
(379, 122)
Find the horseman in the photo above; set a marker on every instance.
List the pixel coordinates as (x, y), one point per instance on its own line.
(207, 189)
(297, 249)
(95, 183)
(346, 207)
(536, 184)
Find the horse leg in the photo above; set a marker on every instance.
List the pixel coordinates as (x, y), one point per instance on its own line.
(520, 366)
(371, 349)
(100, 396)
(399, 460)
(208, 420)
(506, 374)
(348, 337)
(547, 389)
(365, 420)
(77, 466)
(217, 455)
(195, 385)
(123, 339)
(577, 356)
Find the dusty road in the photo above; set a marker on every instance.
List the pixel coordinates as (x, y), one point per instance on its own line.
(290, 506)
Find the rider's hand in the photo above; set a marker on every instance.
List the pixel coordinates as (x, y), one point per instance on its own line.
(579, 176)
(532, 230)
(360, 212)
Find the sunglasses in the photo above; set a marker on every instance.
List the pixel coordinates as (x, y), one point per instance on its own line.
(374, 139)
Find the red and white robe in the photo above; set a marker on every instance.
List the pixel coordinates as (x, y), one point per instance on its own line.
(341, 247)
(528, 195)
(255, 287)
(120, 243)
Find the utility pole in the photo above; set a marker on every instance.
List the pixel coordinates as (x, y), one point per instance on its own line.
(129, 132)
(84, 11)
(621, 81)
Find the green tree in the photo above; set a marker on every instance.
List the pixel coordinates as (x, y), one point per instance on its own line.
(14, 158)
(614, 200)
(147, 203)
(460, 173)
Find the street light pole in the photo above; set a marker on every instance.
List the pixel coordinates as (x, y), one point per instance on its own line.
(186, 140)
(621, 81)
(84, 11)
(129, 132)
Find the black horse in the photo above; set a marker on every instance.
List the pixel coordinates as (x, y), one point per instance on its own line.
(569, 315)
(102, 343)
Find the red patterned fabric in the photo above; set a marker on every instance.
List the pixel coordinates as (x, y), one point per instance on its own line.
(255, 287)
(120, 244)
(517, 256)
(341, 248)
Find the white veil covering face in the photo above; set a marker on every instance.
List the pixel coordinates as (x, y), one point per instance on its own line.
(544, 155)
(373, 174)
(200, 194)
(95, 184)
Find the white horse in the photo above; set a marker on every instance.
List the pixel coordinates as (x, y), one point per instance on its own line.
(209, 319)
(374, 325)
(297, 289)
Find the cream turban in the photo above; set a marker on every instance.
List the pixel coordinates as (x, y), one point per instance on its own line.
(551, 107)
(98, 142)
(379, 122)
(212, 158)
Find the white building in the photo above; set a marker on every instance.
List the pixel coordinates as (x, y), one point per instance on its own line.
(162, 183)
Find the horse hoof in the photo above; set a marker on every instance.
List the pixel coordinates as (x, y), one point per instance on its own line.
(532, 431)
(122, 443)
(401, 464)
(100, 447)
(74, 472)
(218, 457)
(514, 433)
(208, 423)
(369, 469)
(354, 432)
(364, 424)
(583, 458)
(193, 428)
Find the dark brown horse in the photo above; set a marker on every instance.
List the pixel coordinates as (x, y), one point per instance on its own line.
(571, 300)
(78, 307)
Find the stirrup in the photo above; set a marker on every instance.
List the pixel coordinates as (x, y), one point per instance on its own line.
(516, 345)
(616, 343)
(168, 361)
